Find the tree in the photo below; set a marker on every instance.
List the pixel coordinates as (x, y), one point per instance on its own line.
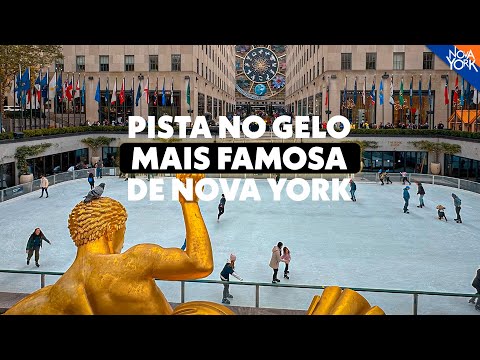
(97, 142)
(12, 57)
(437, 148)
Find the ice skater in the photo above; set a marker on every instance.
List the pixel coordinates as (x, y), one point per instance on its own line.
(277, 177)
(353, 188)
(91, 181)
(221, 207)
(387, 178)
(34, 244)
(441, 212)
(405, 178)
(381, 176)
(476, 285)
(44, 185)
(228, 269)
(457, 202)
(420, 193)
(275, 261)
(406, 197)
(286, 258)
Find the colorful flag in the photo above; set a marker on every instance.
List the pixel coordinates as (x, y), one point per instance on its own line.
(411, 92)
(400, 96)
(97, 92)
(60, 88)
(146, 90)
(83, 90)
(420, 91)
(52, 86)
(328, 90)
(155, 95)
(114, 93)
(455, 93)
(44, 84)
(445, 94)
(475, 98)
(380, 92)
(345, 91)
(121, 96)
(171, 94)
(355, 92)
(164, 98)
(38, 86)
(18, 87)
(391, 100)
(77, 88)
(68, 90)
(139, 93)
(430, 99)
(188, 91)
(107, 94)
(373, 96)
(468, 92)
(25, 80)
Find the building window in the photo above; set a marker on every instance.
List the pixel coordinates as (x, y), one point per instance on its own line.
(427, 60)
(153, 62)
(346, 61)
(176, 62)
(371, 61)
(80, 63)
(59, 65)
(104, 63)
(398, 61)
(129, 62)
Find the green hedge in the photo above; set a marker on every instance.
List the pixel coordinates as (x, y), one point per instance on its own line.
(385, 132)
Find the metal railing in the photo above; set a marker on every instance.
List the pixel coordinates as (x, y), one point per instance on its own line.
(415, 293)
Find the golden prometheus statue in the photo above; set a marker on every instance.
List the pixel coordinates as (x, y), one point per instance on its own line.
(104, 281)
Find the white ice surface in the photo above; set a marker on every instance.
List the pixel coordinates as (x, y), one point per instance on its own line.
(369, 243)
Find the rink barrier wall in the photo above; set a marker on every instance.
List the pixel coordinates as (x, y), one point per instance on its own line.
(415, 293)
(22, 189)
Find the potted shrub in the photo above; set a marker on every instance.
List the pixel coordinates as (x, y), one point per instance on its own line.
(95, 144)
(437, 148)
(21, 155)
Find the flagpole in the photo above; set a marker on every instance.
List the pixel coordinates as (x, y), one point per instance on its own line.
(31, 90)
(36, 96)
(124, 100)
(107, 103)
(74, 92)
(99, 105)
(383, 104)
(462, 103)
(476, 113)
(84, 100)
(374, 104)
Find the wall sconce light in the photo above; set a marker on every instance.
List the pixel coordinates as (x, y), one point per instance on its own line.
(334, 76)
(187, 77)
(444, 76)
(140, 77)
(385, 76)
(90, 78)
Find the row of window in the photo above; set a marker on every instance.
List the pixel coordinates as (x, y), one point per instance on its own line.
(398, 61)
(129, 61)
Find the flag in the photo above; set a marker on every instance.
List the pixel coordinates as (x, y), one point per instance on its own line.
(59, 88)
(77, 88)
(97, 92)
(114, 93)
(13, 92)
(380, 92)
(445, 94)
(430, 99)
(139, 94)
(345, 91)
(455, 93)
(155, 95)
(328, 90)
(364, 93)
(164, 99)
(146, 90)
(355, 91)
(188, 91)
(400, 96)
(420, 91)
(171, 94)
(83, 90)
(391, 100)
(411, 92)
(38, 86)
(68, 89)
(19, 88)
(107, 94)
(468, 92)
(121, 96)
(373, 97)
(44, 86)
(462, 94)
(475, 98)
(25, 80)
(52, 87)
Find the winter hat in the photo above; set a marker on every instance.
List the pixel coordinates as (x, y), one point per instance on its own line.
(407, 187)
(232, 257)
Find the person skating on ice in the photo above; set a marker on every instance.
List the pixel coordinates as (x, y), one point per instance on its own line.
(457, 203)
(476, 285)
(405, 178)
(221, 206)
(34, 244)
(406, 197)
(277, 177)
(387, 178)
(275, 261)
(228, 269)
(44, 184)
(286, 259)
(353, 188)
(441, 212)
(420, 193)
(91, 181)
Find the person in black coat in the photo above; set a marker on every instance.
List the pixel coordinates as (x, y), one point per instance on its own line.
(34, 244)
(91, 181)
(420, 193)
(476, 285)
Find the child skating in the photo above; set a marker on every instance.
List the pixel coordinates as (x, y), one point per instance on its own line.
(286, 259)
(221, 207)
(441, 212)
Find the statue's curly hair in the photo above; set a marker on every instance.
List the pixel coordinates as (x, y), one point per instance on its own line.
(89, 221)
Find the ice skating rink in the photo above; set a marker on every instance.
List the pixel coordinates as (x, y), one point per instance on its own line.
(370, 243)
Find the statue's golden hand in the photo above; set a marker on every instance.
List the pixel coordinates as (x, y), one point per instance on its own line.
(183, 178)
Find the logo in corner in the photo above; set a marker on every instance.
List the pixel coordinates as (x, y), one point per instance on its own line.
(459, 59)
